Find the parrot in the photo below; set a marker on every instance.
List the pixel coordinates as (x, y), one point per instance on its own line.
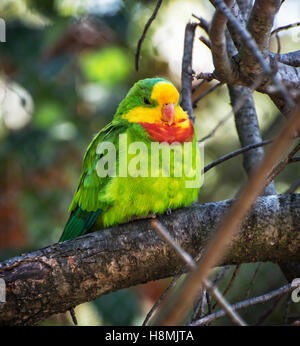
(151, 116)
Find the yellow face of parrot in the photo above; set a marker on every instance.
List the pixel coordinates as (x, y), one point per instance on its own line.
(160, 114)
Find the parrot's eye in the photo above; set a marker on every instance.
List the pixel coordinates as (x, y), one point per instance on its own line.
(146, 101)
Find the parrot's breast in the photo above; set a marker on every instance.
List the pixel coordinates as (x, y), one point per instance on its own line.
(181, 132)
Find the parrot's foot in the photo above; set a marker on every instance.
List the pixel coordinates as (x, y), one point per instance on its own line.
(168, 211)
(141, 217)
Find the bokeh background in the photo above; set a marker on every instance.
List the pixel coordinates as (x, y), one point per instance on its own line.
(65, 66)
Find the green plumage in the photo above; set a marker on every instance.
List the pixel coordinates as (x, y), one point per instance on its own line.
(101, 202)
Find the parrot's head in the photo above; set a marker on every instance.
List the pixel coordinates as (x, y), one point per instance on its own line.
(153, 103)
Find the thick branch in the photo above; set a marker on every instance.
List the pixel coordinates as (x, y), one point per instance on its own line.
(291, 59)
(261, 22)
(61, 276)
(223, 68)
(187, 71)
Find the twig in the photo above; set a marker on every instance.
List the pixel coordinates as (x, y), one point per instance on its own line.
(208, 76)
(214, 130)
(239, 104)
(282, 164)
(291, 59)
(293, 187)
(73, 316)
(234, 275)
(199, 308)
(196, 87)
(141, 39)
(235, 153)
(294, 159)
(203, 23)
(163, 232)
(200, 97)
(206, 41)
(160, 299)
(232, 221)
(221, 300)
(186, 71)
(246, 295)
(269, 311)
(278, 43)
(285, 27)
(246, 303)
(287, 310)
(224, 69)
(220, 276)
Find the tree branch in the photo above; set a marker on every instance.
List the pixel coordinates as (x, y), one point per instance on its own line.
(186, 71)
(141, 39)
(63, 275)
(224, 70)
(291, 59)
(260, 23)
(252, 301)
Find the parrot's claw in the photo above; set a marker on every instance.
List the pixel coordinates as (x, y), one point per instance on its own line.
(168, 211)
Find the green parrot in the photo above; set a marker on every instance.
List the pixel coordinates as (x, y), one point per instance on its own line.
(125, 172)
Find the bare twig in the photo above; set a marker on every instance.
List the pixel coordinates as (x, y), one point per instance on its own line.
(282, 164)
(278, 43)
(160, 299)
(186, 71)
(200, 306)
(285, 27)
(163, 232)
(224, 70)
(236, 153)
(200, 97)
(140, 41)
(294, 159)
(293, 187)
(221, 300)
(208, 76)
(269, 311)
(234, 275)
(291, 59)
(246, 295)
(246, 303)
(206, 41)
(203, 23)
(231, 223)
(239, 104)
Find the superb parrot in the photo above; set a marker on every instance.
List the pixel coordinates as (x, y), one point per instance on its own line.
(150, 113)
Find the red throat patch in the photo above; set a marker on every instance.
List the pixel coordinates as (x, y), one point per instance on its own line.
(169, 134)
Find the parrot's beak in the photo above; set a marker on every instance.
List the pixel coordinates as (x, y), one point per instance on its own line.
(168, 113)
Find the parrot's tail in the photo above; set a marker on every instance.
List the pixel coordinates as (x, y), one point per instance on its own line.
(79, 223)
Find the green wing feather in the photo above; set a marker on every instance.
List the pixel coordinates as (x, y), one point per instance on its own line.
(86, 206)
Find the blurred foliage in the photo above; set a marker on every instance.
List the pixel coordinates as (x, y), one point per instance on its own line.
(65, 66)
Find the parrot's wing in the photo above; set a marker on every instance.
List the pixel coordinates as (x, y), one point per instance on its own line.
(86, 207)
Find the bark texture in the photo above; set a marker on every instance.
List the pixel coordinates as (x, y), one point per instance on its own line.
(63, 275)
